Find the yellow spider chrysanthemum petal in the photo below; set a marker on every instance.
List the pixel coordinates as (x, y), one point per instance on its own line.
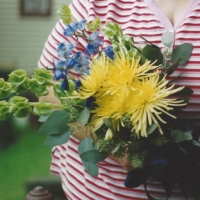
(93, 82)
(146, 105)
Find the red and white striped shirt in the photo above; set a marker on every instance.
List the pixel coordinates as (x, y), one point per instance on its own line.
(137, 18)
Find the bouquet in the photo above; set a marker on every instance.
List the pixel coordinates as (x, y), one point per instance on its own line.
(121, 97)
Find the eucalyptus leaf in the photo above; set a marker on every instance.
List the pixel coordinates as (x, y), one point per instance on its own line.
(167, 38)
(43, 118)
(151, 128)
(182, 51)
(195, 143)
(84, 116)
(58, 139)
(178, 136)
(91, 168)
(186, 91)
(172, 67)
(86, 144)
(89, 152)
(93, 156)
(153, 54)
(56, 122)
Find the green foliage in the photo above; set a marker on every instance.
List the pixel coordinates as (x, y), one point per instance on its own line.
(90, 155)
(20, 106)
(94, 25)
(153, 53)
(56, 123)
(151, 128)
(182, 51)
(5, 89)
(38, 89)
(84, 116)
(92, 168)
(65, 14)
(57, 139)
(112, 30)
(19, 81)
(4, 110)
(167, 38)
(43, 108)
(178, 136)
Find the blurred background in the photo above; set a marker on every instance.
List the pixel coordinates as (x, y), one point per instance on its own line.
(24, 159)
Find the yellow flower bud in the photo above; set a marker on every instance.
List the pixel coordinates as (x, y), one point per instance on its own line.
(109, 135)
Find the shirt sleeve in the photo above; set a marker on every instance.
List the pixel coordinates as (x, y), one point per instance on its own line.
(79, 10)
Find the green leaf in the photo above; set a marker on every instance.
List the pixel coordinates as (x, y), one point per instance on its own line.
(167, 38)
(5, 89)
(195, 143)
(94, 156)
(172, 67)
(58, 139)
(92, 168)
(43, 118)
(4, 110)
(182, 51)
(153, 54)
(186, 91)
(84, 116)
(108, 123)
(88, 151)
(56, 122)
(151, 128)
(85, 145)
(65, 14)
(178, 136)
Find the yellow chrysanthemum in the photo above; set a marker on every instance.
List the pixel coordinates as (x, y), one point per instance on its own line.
(123, 71)
(108, 76)
(93, 82)
(145, 105)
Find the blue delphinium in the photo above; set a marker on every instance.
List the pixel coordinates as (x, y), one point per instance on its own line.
(77, 84)
(82, 63)
(109, 52)
(65, 84)
(71, 28)
(93, 43)
(79, 25)
(59, 71)
(64, 50)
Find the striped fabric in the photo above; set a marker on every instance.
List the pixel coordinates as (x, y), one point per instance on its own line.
(137, 18)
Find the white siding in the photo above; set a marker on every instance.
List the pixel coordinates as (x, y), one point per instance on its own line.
(22, 37)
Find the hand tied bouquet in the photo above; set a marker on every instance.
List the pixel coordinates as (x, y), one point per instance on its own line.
(119, 92)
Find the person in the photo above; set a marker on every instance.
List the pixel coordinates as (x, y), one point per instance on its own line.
(150, 19)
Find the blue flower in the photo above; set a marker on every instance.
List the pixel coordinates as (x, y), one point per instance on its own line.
(59, 72)
(94, 38)
(70, 63)
(65, 85)
(77, 84)
(64, 50)
(89, 101)
(82, 63)
(79, 25)
(109, 52)
(69, 30)
(91, 49)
